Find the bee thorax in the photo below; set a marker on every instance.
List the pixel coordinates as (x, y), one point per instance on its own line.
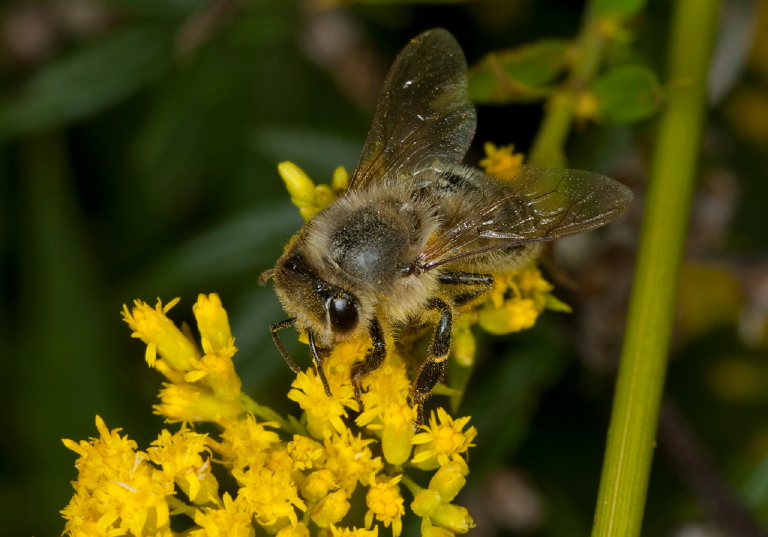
(370, 244)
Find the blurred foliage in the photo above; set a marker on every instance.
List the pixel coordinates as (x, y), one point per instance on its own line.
(139, 148)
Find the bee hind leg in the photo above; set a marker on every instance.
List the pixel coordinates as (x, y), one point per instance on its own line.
(433, 369)
(372, 361)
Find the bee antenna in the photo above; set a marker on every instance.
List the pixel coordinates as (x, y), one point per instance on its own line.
(265, 276)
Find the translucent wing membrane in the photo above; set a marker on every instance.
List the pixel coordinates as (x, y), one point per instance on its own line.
(538, 204)
(423, 114)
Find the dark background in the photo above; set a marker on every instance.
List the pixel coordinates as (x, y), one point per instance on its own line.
(138, 150)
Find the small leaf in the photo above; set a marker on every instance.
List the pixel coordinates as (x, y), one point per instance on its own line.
(555, 304)
(518, 75)
(89, 80)
(627, 94)
(617, 8)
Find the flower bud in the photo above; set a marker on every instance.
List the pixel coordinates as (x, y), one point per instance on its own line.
(317, 485)
(213, 323)
(331, 509)
(426, 502)
(299, 530)
(434, 531)
(397, 434)
(450, 479)
(453, 518)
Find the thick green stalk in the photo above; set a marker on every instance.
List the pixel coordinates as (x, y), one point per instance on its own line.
(640, 382)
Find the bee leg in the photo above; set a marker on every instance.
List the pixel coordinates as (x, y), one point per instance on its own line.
(433, 369)
(279, 344)
(317, 358)
(476, 285)
(372, 361)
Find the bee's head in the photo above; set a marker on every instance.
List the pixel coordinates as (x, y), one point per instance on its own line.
(332, 312)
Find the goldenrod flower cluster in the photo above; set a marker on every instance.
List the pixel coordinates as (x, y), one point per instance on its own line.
(294, 477)
(334, 471)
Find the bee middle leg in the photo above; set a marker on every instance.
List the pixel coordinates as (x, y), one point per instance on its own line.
(467, 287)
(372, 361)
(433, 369)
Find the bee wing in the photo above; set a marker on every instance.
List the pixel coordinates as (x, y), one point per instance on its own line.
(423, 114)
(537, 204)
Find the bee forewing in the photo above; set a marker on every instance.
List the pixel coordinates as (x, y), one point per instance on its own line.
(423, 114)
(562, 203)
(534, 205)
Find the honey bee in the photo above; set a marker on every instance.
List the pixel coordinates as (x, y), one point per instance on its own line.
(417, 234)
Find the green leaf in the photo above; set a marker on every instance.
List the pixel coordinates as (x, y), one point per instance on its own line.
(617, 8)
(518, 75)
(89, 80)
(627, 94)
(555, 304)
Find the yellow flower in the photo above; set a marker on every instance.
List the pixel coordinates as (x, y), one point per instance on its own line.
(350, 459)
(442, 441)
(305, 195)
(513, 316)
(331, 509)
(453, 518)
(324, 414)
(213, 323)
(245, 443)
(121, 490)
(353, 532)
(449, 479)
(182, 361)
(318, 484)
(385, 503)
(434, 531)
(587, 105)
(271, 496)
(425, 502)
(500, 160)
(118, 490)
(161, 335)
(517, 300)
(299, 530)
(231, 520)
(305, 452)
(464, 343)
(180, 457)
(387, 410)
(188, 403)
(278, 460)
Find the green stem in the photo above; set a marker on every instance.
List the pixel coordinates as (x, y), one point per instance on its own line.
(264, 412)
(411, 485)
(548, 145)
(640, 382)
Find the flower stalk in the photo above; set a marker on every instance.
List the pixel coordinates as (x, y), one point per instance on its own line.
(632, 432)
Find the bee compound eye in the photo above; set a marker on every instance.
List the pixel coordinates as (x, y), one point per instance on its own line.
(342, 313)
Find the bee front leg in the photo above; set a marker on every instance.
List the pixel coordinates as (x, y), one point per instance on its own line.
(273, 329)
(433, 369)
(372, 361)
